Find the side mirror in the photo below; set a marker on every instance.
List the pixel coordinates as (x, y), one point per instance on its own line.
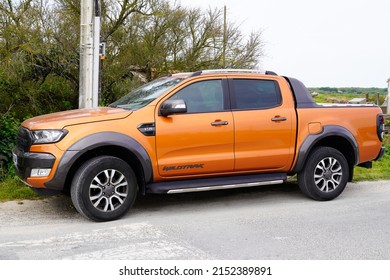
(174, 106)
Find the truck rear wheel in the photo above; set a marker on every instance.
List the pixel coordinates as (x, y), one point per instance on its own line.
(104, 188)
(324, 175)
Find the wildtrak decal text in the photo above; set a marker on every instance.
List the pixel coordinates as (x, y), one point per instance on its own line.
(179, 167)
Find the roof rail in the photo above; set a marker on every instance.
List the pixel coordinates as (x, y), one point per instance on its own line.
(211, 71)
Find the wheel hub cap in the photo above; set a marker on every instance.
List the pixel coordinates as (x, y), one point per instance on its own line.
(328, 174)
(108, 190)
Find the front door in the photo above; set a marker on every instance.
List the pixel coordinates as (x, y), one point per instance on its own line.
(201, 140)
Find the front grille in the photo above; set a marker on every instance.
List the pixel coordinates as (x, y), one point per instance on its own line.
(24, 139)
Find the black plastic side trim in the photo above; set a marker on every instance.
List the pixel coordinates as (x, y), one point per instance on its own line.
(147, 129)
(92, 142)
(165, 187)
(312, 139)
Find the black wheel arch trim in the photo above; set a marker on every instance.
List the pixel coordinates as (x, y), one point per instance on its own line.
(328, 131)
(95, 141)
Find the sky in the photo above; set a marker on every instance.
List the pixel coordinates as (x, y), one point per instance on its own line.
(335, 43)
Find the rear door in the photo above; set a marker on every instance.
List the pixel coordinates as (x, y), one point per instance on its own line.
(201, 140)
(264, 125)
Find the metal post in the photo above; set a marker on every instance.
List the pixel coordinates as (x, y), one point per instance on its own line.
(388, 96)
(86, 54)
(224, 38)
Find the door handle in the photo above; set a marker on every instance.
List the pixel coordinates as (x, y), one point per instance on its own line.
(278, 119)
(217, 123)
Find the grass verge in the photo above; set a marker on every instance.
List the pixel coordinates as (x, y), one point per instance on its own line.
(13, 189)
(380, 169)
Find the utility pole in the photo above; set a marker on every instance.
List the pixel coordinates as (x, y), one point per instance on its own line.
(224, 38)
(96, 55)
(89, 53)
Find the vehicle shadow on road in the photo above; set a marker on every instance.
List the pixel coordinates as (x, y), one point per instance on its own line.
(155, 202)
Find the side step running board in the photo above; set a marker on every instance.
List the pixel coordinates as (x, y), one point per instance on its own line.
(212, 188)
(219, 183)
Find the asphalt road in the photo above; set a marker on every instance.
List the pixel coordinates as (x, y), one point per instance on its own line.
(270, 223)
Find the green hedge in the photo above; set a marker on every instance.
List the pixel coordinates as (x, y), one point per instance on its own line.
(8, 131)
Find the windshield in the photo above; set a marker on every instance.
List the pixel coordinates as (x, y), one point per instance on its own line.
(146, 94)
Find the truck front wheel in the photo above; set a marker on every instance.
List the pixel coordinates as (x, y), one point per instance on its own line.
(104, 188)
(324, 175)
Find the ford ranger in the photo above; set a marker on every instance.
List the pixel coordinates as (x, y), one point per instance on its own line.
(206, 130)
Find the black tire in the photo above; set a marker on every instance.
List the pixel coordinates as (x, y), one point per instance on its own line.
(104, 188)
(324, 175)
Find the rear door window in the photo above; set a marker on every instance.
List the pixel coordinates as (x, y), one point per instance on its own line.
(252, 94)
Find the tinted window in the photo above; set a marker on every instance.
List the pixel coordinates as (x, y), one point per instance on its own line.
(200, 97)
(255, 94)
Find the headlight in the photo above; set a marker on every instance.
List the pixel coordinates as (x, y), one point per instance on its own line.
(48, 136)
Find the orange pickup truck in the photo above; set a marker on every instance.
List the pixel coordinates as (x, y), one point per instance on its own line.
(198, 131)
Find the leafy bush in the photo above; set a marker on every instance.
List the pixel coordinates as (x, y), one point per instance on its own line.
(8, 131)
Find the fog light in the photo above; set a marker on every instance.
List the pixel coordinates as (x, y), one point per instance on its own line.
(38, 172)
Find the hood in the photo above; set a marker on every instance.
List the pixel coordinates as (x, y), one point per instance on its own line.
(61, 119)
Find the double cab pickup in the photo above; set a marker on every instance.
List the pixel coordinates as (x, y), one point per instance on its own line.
(199, 131)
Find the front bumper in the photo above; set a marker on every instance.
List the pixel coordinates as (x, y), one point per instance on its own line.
(25, 162)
